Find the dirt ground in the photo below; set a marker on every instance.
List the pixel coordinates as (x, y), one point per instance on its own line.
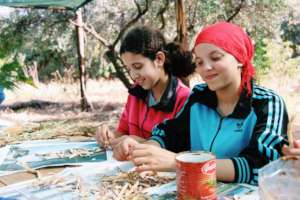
(53, 110)
(62, 101)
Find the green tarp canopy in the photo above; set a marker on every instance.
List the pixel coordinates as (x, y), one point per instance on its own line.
(58, 4)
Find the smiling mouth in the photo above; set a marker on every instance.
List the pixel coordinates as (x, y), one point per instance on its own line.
(210, 77)
(139, 82)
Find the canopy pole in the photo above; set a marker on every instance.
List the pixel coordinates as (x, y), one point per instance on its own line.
(85, 105)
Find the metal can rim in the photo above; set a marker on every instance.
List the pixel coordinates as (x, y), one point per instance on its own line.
(210, 154)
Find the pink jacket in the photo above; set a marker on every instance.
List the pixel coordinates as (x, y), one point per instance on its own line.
(138, 118)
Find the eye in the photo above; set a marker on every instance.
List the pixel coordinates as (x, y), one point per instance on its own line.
(199, 63)
(216, 57)
(137, 66)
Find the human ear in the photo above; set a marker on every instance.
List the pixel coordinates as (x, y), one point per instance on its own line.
(160, 58)
(240, 65)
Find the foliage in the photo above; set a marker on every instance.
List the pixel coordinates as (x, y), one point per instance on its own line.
(291, 33)
(41, 39)
(261, 61)
(11, 72)
(282, 64)
(113, 15)
(45, 40)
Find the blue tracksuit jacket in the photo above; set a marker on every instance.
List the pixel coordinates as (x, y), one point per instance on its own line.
(251, 136)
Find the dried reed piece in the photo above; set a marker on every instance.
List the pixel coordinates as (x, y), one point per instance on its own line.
(30, 170)
(130, 185)
(65, 129)
(71, 153)
(123, 186)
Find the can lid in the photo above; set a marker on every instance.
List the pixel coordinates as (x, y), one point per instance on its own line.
(194, 157)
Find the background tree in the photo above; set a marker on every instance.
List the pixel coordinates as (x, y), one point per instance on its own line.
(45, 43)
(291, 33)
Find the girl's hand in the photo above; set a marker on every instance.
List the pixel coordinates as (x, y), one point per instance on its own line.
(292, 151)
(104, 136)
(152, 158)
(122, 147)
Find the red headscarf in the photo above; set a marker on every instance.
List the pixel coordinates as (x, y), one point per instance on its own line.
(235, 41)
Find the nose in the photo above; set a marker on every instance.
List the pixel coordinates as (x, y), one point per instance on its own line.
(207, 65)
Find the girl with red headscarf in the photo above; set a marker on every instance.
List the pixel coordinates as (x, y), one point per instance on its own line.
(242, 123)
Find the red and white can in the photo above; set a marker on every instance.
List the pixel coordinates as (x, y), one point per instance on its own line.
(196, 176)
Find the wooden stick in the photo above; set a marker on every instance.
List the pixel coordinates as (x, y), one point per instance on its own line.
(30, 170)
(290, 132)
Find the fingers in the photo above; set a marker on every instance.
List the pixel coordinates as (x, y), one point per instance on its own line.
(148, 164)
(121, 153)
(115, 141)
(142, 153)
(141, 161)
(103, 136)
(285, 150)
(291, 151)
(141, 146)
(294, 152)
(144, 167)
(144, 164)
(149, 157)
(122, 150)
(118, 154)
(297, 143)
(142, 157)
(135, 153)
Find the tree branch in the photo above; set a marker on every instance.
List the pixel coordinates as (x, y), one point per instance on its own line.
(133, 21)
(161, 13)
(192, 16)
(138, 6)
(93, 32)
(237, 10)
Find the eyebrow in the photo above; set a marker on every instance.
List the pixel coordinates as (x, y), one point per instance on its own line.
(136, 63)
(213, 52)
(216, 51)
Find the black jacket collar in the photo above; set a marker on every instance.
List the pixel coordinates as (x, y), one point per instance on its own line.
(168, 99)
(209, 98)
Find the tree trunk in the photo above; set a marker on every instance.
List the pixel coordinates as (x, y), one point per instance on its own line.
(112, 57)
(85, 105)
(182, 34)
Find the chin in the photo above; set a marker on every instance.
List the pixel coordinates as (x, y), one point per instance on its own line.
(145, 87)
(212, 87)
(218, 87)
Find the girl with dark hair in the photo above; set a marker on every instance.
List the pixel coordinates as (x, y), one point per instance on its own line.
(242, 123)
(157, 94)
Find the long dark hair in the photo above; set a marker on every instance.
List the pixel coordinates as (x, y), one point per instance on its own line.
(148, 41)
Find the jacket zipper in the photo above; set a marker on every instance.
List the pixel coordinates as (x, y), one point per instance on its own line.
(218, 130)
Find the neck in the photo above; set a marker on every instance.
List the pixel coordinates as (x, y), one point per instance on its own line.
(227, 99)
(160, 87)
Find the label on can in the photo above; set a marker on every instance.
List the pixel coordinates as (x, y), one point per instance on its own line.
(196, 176)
